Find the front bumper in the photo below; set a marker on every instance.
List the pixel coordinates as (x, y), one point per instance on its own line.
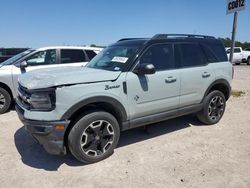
(46, 133)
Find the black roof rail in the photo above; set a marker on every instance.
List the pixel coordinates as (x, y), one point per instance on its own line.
(165, 36)
(123, 39)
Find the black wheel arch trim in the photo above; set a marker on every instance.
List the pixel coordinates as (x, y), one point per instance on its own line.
(219, 81)
(118, 107)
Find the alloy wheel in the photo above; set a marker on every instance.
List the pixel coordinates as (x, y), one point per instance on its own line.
(216, 108)
(97, 138)
(2, 100)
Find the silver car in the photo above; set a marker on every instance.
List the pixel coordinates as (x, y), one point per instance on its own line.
(59, 56)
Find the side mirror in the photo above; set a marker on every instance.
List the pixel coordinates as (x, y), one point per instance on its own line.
(23, 64)
(145, 68)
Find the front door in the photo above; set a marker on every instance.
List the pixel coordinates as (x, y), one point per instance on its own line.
(159, 92)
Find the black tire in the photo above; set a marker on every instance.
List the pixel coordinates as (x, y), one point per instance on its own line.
(89, 145)
(237, 63)
(248, 61)
(5, 100)
(211, 112)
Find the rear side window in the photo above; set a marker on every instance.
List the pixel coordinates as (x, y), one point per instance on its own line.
(237, 50)
(72, 56)
(91, 54)
(160, 55)
(190, 55)
(215, 52)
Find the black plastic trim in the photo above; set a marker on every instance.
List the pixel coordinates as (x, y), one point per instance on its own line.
(125, 90)
(118, 107)
(45, 133)
(154, 118)
(219, 81)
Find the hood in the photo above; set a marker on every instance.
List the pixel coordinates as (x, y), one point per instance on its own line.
(51, 77)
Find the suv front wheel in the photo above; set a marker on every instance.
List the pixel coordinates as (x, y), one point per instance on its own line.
(94, 137)
(214, 106)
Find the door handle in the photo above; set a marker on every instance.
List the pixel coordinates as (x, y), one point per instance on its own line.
(170, 79)
(206, 75)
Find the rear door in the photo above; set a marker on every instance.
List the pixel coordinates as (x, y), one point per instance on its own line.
(196, 75)
(238, 56)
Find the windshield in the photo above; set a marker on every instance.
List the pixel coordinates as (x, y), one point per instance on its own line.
(13, 59)
(113, 58)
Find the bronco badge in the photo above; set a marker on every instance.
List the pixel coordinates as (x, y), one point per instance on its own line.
(107, 87)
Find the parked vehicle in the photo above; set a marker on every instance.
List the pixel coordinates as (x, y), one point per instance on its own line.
(38, 59)
(240, 56)
(131, 83)
(6, 53)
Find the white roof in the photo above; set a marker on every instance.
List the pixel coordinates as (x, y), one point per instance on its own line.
(70, 47)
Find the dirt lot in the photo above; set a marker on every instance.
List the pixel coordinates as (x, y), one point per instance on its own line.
(175, 153)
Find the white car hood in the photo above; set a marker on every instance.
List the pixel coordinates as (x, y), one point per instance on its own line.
(52, 77)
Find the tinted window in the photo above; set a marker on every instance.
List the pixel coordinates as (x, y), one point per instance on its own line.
(91, 54)
(42, 58)
(237, 50)
(17, 57)
(215, 52)
(72, 56)
(210, 54)
(161, 56)
(190, 55)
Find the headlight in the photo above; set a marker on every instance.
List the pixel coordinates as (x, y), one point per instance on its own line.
(42, 100)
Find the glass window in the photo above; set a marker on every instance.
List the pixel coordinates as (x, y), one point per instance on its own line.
(190, 55)
(215, 52)
(160, 55)
(17, 57)
(113, 58)
(72, 56)
(237, 50)
(91, 54)
(2, 52)
(42, 58)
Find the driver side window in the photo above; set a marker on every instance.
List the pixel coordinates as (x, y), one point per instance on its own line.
(160, 55)
(42, 58)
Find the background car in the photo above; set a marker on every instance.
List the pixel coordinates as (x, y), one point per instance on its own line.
(6, 53)
(240, 56)
(41, 58)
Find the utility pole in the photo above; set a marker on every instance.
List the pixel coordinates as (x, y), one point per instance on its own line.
(234, 6)
(233, 36)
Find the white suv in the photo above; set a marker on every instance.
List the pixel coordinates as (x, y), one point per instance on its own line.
(131, 83)
(48, 57)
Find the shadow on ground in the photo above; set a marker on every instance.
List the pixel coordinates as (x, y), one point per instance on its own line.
(33, 154)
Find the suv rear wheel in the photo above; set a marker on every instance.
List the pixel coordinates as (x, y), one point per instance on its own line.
(5, 100)
(94, 137)
(214, 106)
(248, 61)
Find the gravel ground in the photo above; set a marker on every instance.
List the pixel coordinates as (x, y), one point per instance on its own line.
(176, 153)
